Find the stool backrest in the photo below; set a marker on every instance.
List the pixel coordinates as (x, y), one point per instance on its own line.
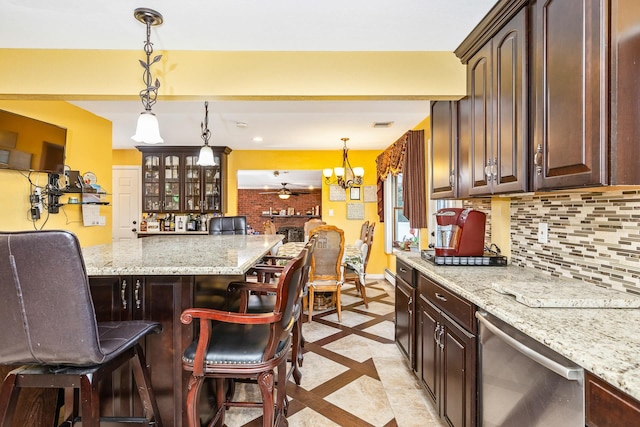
(46, 311)
(228, 225)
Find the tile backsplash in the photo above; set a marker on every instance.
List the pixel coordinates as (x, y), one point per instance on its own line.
(594, 237)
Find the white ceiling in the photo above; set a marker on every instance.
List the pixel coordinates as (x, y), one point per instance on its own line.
(252, 25)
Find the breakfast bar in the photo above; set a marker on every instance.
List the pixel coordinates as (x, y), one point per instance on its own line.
(156, 279)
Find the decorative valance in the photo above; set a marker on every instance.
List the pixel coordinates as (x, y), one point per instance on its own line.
(391, 161)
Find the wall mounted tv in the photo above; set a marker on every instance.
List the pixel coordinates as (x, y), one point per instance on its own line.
(31, 145)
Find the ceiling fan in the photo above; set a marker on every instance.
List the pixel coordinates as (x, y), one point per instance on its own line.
(284, 192)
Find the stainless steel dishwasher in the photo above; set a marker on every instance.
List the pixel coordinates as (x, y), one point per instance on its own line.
(524, 383)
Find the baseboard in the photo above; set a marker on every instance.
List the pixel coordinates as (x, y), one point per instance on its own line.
(389, 276)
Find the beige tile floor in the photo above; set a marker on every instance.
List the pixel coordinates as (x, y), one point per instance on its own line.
(353, 372)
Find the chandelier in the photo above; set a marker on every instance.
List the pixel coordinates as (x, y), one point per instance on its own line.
(346, 176)
(206, 153)
(147, 130)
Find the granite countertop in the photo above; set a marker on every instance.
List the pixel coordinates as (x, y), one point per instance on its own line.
(604, 341)
(179, 255)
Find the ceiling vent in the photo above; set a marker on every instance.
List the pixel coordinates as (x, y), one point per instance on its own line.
(382, 124)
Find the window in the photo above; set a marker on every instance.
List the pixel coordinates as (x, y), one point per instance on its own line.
(397, 231)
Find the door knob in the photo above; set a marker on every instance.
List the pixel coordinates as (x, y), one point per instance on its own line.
(134, 229)
(134, 222)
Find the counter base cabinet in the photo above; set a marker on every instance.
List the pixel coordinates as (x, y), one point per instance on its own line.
(607, 406)
(446, 354)
(161, 299)
(404, 327)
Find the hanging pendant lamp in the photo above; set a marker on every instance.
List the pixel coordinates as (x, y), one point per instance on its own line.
(148, 129)
(206, 153)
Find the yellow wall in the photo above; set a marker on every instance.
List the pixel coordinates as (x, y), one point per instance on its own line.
(88, 149)
(317, 160)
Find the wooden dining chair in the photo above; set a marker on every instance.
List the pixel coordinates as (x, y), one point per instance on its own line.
(244, 346)
(326, 265)
(350, 275)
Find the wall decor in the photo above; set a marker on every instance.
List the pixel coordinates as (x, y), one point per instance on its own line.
(370, 193)
(337, 193)
(354, 193)
(355, 210)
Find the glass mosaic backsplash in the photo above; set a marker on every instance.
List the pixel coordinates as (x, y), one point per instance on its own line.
(594, 237)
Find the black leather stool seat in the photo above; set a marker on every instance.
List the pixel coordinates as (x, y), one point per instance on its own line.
(236, 344)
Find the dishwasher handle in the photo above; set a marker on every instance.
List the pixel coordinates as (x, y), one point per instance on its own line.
(570, 373)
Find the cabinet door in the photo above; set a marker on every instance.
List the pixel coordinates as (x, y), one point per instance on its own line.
(163, 298)
(570, 70)
(151, 183)
(444, 149)
(428, 330)
(192, 184)
(510, 124)
(606, 406)
(404, 331)
(458, 373)
(480, 159)
(172, 188)
(111, 297)
(212, 201)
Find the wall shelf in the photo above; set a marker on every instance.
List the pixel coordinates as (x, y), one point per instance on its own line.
(290, 216)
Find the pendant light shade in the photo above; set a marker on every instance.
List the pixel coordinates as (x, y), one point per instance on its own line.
(206, 157)
(147, 130)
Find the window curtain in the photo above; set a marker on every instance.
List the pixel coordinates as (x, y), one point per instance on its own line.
(413, 180)
(391, 161)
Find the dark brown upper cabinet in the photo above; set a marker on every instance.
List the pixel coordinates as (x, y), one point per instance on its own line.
(444, 150)
(493, 119)
(569, 64)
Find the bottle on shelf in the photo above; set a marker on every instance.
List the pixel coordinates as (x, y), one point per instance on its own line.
(143, 223)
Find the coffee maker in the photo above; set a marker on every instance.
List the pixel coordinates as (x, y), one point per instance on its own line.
(459, 232)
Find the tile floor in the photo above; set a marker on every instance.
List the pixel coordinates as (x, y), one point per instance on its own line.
(353, 373)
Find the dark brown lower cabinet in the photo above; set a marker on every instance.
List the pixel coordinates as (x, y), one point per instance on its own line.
(157, 298)
(446, 353)
(404, 312)
(606, 406)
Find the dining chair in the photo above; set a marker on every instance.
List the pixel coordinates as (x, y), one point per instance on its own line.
(310, 225)
(358, 278)
(244, 346)
(49, 326)
(326, 265)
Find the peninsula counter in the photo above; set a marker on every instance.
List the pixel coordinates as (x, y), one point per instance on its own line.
(156, 279)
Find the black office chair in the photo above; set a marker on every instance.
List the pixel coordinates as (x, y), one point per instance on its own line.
(49, 325)
(228, 225)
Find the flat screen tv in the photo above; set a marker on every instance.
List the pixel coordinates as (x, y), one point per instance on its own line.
(31, 145)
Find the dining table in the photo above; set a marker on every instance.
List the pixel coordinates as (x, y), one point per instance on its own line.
(351, 257)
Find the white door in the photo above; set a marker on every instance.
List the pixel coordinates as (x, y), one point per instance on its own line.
(126, 202)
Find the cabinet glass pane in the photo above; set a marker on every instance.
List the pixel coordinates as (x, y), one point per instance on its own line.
(151, 183)
(171, 183)
(212, 187)
(192, 183)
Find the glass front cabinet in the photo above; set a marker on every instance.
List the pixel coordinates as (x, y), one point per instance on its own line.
(172, 182)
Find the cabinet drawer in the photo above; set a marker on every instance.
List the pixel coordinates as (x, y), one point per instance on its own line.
(461, 310)
(405, 272)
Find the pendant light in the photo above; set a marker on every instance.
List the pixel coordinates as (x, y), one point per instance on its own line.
(206, 153)
(148, 130)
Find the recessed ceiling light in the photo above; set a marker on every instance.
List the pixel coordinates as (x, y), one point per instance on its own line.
(257, 139)
(382, 124)
(241, 124)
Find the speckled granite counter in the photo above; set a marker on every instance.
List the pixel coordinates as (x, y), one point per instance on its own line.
(178, 255)
(603, 341)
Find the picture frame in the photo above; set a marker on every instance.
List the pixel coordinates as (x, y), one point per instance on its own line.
(354, 193)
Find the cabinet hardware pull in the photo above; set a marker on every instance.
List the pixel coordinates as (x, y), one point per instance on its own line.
(137, 294)
(441, 297)
(440, 342)
(494, 170)
(409, 305)
(123, 294)
(436, 332)
(537, 160)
